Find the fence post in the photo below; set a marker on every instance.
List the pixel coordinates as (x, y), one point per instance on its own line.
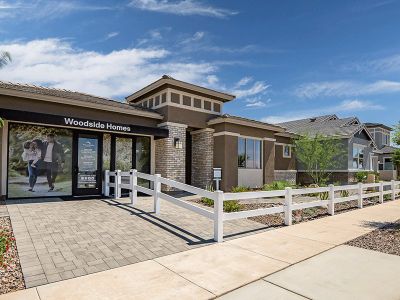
(381, 191)
(133, 184)
(393, 190)
(218, 216)
(118, 182)
(331, 203)
(288, 206)
(107, 183)
(157, 190)
(360, 195)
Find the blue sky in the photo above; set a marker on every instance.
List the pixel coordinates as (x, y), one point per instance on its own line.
(283, 59)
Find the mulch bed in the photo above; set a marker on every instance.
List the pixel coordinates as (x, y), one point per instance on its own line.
(11, 278)
(385, 239)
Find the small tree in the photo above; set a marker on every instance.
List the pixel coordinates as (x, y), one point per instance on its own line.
(318, 154)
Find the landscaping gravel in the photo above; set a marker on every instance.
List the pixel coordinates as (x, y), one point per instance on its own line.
(11, 278)
(385, 239)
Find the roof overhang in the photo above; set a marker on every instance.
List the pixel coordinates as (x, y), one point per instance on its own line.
(246, 122)
(168, 81)
(62, 100)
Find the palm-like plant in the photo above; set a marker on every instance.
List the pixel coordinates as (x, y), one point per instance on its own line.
(5, 58)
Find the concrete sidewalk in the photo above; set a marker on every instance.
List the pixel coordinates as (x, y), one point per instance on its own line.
(214, 270)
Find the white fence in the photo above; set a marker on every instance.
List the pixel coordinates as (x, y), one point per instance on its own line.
(219, 216)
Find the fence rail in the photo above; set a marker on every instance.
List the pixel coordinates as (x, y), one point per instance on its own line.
(331, 196)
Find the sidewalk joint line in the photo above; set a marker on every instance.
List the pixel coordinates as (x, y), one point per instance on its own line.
(286, 289)
(203, 288)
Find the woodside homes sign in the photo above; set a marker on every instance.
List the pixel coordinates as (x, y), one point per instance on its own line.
(23, 116)
(96, 125)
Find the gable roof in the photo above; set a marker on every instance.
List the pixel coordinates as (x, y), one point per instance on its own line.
(73, 98)
(374, 125)
(328, 125)
(226, 118)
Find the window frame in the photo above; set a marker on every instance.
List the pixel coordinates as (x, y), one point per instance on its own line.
(283, 151)
(257, 157)
(362, 148)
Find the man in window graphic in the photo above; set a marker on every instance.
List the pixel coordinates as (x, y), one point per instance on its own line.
(53, 158)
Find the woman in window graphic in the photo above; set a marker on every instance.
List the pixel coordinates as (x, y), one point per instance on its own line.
(32, 154)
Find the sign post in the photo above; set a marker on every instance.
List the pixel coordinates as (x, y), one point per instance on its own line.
(217, 176)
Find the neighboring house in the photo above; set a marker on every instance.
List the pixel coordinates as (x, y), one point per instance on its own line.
(357, 142)
(384, 152)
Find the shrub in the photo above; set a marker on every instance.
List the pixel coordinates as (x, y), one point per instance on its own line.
(240, 189)
(361, 176)
(5, 244)
(277, 185)
(230, 205)
(344, 194)
(324, 195)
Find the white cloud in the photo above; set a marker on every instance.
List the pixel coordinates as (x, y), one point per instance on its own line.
(44, 10)
(244, 81)
(197, 36)
(182, 7)
(212, 80)
(346, 106)
(111, 35)
(57, 63)
(346, 88)
(257, 88)
(257, 102)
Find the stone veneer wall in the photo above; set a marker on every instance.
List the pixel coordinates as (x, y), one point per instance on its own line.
(202, 157)
(170, 162)
(283, 175)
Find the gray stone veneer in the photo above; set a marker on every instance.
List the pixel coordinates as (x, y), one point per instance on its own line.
(170, 162)
(202, 157)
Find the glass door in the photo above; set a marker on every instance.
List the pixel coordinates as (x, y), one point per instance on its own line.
(87, 170)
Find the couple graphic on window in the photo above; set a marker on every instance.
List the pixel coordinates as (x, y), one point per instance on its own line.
(45, 155)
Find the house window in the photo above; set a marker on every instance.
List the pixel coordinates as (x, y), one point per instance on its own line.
(217, 107)
(151, 103)
(249, 153)
(388, 164)
(197, 103)
(157, 101)
(386, 139)
(287, 151)
(187, 100)
(358, 157)
(207, 105)
(164, 98)
(175, 98)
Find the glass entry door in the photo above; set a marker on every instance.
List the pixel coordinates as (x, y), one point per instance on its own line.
(87, 171)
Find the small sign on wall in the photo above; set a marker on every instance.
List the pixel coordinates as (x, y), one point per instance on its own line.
(217, 176)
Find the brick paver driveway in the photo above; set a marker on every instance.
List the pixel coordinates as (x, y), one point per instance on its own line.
(59, 240)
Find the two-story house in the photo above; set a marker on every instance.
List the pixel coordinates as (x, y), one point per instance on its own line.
(384, 152)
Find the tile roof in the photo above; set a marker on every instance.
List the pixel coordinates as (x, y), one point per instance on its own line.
(388, 149)
(63, 93)
(328, 125)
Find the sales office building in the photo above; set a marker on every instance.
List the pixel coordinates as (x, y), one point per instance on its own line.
(58, 143)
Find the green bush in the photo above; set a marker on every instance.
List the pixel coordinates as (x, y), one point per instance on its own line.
(324, 195)
(344, 194)
(240, 189)
(361, 176)
(277, 185)
(230, 205)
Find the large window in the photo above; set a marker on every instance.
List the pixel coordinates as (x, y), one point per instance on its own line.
(249, 153)
(39, 161)
(358, 157)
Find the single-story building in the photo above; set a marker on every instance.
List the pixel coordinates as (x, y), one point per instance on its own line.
(56, 142)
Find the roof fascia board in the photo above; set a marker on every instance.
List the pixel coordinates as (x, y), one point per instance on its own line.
(245, 123)
(55, 99)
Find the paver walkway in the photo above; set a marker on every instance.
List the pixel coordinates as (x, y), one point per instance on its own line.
(215, 270)
(59, 240)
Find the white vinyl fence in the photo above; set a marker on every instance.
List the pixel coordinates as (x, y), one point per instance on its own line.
(333, 195)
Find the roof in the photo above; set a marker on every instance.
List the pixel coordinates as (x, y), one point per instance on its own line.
(388, 149)
(168, 80)
(83, 98)
(246, 122)
(328, 125)
(373, 125)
